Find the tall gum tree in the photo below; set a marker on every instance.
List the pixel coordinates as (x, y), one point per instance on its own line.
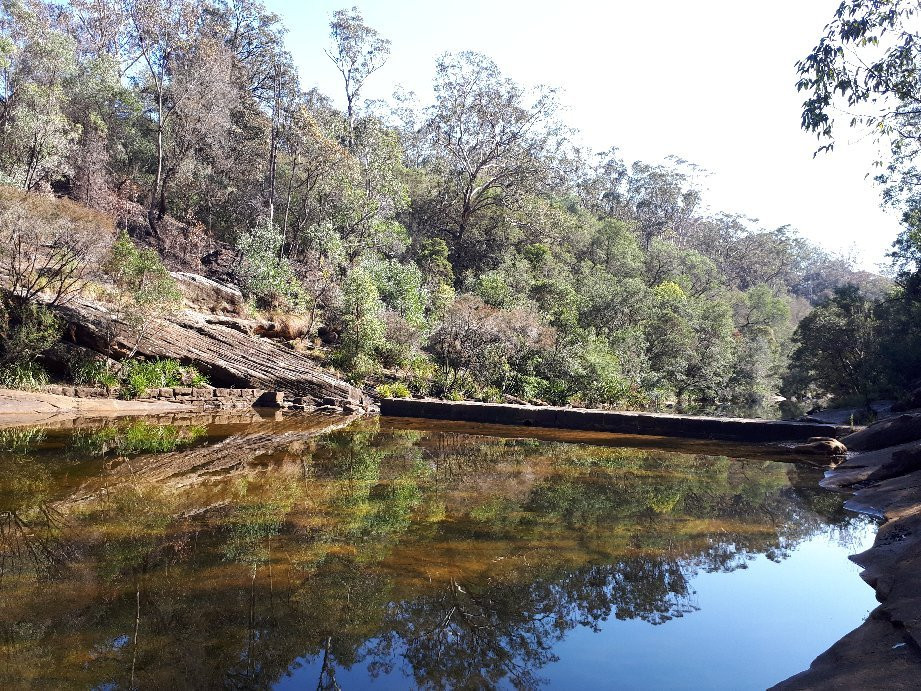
(357, 52)
(488, 138)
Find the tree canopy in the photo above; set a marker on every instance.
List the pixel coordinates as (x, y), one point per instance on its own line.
(463, 247)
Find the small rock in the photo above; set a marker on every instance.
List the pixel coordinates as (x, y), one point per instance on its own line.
(822, 446)
(270, 399)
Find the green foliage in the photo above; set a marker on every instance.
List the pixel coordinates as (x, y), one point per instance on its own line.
(137, 376)
(144, 289)
(401, 288)
(837, 346)
(137, 438)
(92, 371)
(265, 274)
(23, 375)
(363, 329)
(26, 331)
(432, 257)
(393, 390)
(494, 289)
(599, 283)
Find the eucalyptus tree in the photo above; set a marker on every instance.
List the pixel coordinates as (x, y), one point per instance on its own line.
(867, 67)
(357, 52)
(267, 87)
(603, 187)
(661, 200)
(159, 30)
(490, 142)
(838, 346)
(37, 67)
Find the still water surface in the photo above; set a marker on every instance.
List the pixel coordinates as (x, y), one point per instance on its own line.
(384, 555)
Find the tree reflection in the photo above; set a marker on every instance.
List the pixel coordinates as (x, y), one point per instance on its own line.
(31, 526)
(458, 561)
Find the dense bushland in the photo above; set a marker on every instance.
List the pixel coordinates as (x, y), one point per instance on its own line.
(466, 247)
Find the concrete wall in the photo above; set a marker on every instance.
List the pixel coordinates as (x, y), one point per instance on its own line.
(655, 424)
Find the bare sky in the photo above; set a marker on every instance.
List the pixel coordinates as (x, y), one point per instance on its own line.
(711, 81)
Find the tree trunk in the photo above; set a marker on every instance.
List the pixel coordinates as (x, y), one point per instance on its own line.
(156, 194)
(273, 152)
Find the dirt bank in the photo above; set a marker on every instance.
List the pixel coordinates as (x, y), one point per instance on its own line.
(885, 651)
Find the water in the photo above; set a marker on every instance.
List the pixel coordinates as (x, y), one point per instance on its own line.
(389, 555)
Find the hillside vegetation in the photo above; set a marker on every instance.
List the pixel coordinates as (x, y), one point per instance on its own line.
(466, 247)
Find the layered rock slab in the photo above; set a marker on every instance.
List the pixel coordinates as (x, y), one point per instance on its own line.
(227, 355)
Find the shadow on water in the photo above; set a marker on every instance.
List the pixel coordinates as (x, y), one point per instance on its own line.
(238, 553)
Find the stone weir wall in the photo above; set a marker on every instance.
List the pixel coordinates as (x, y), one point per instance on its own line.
(205, 398)
(653, 424)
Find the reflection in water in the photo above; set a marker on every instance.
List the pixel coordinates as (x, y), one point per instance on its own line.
(150, 557)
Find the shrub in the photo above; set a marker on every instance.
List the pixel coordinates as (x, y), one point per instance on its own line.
(92, 371)
(491, 395)
(23, 375)
(144, 289)
(266, 276)
(48, 246)
(26, 330)
(359, 368)
(401, 339)
(137, 376)
(421, 372)
(363, 329)
(394, 390)
(485, 343)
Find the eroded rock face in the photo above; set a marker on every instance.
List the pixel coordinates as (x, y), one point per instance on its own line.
(885, 651)
(205, 294)
(220, 263)
(889, 432)
(874, 466)
(228, 356)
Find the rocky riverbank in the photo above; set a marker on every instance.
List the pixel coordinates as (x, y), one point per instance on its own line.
(883, 471)
(37, 407)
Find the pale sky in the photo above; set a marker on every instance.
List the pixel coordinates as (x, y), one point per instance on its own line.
(711, 81)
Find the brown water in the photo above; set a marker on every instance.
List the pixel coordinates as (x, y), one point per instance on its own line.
(305, 553)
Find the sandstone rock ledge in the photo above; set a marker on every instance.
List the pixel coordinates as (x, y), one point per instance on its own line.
(885, 651)
(35, 407)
